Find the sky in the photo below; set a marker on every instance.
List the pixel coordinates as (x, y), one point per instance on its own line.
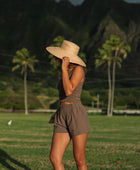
(78, 2)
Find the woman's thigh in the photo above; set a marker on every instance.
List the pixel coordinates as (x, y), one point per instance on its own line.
(60, 142)
(79, 146)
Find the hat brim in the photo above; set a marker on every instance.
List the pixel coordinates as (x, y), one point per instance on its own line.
(60, 53)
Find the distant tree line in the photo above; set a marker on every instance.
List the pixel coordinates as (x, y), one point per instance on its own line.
(112, 53)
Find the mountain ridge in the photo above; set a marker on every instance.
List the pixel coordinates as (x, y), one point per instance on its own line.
(34, 25)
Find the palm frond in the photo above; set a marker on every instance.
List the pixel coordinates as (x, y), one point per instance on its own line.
(31, 66)
(16, 67)
(119, 59)
(16, 60)
(128, 48)
(57, 41)
(23, 69)
(99, 62)
(119, 64)
(24, 59)
(113, 50)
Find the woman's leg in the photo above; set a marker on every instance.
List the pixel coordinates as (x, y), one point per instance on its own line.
(79, 147)
(60, 142)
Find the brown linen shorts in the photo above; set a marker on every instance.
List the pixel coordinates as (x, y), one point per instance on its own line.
(72, 119)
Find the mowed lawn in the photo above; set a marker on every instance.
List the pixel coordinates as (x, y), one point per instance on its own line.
(113, 143)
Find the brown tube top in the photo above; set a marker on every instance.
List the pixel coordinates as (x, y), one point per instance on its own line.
(75, 96)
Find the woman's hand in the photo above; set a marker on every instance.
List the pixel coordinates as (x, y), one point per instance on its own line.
(65, 63)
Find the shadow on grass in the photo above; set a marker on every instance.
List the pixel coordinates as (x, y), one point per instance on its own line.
(5, 158)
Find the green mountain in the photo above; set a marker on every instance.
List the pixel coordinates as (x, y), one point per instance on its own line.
(34, 24)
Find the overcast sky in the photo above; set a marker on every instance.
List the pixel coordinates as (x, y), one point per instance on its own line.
(77, 2)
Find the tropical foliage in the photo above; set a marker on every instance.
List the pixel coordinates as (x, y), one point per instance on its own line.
(113, 52)
(22, 59)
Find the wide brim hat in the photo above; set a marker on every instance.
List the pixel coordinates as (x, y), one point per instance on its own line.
(67, 49)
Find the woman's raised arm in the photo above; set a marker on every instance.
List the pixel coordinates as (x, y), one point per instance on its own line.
(78, 76)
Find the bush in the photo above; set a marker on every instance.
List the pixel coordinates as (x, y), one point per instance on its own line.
(33, 102)
(10, 100)
(2, 86)
(36, 90)
(128, 101)
(51, 92)
(86, 98)
(127, 98)
(14, 101)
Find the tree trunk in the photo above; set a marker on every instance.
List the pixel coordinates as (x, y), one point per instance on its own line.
(109, 90)
(98, 102)
(25, 90)
(113, 87)
(113, 82)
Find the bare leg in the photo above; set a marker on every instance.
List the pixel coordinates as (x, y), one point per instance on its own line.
(60, 142)
(79, 146)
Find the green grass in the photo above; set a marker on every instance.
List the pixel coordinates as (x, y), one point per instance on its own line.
(113, 143)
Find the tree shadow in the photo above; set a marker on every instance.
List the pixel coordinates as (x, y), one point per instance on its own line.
(5, 158)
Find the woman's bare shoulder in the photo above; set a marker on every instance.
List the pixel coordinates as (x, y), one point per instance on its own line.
(79, 73)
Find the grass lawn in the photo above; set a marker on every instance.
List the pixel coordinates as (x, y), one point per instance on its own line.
(113, 143)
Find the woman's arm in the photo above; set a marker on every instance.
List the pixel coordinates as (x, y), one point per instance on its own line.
(78, 76)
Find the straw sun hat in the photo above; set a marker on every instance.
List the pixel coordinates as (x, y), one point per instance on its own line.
(67, 49)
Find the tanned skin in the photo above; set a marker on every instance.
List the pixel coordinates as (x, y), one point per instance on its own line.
(61, 141)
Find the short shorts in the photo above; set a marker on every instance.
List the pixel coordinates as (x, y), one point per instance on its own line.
(72, 119)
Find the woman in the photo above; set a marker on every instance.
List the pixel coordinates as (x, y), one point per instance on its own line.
(71, 119)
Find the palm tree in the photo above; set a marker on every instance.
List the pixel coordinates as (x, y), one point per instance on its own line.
(103, 58)
(22, 59)
(113, 51)
(120, 53)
